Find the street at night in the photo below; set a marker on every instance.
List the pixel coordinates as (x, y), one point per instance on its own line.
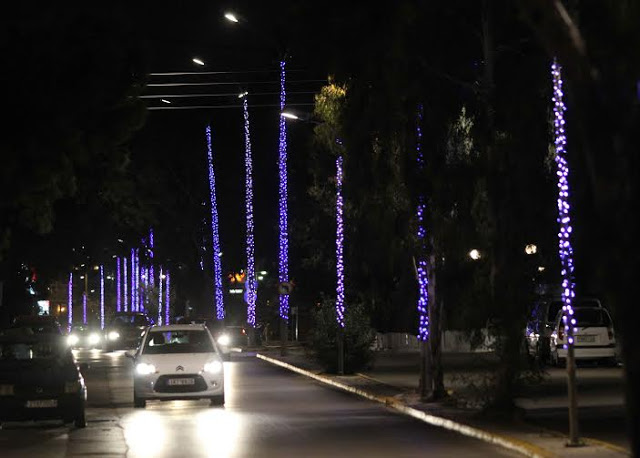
(320, 229)
(269, 412)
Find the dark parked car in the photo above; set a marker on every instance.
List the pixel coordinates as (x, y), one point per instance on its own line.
(39, 379)
(125, 330)
(231, 338)
(39, 324)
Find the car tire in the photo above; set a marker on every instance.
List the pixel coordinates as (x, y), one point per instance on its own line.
(138, 402)
(217, 400)
(80, 421)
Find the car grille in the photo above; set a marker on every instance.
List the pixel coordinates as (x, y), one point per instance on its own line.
(162, 384)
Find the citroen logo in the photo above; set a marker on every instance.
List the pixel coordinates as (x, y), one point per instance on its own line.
(39, 390)
(179, 368)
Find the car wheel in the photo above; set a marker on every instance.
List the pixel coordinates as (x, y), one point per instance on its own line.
(80, 421)
(138, 402)
(217, 400)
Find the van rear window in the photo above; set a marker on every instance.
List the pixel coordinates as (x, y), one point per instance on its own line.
(592, 317)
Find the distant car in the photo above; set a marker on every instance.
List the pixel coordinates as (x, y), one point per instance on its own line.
(39, 379)
(232, 337)
(178, 361)
(125, 330)
(84, 336)
(594, 337)
(542, 320)
(39, 324)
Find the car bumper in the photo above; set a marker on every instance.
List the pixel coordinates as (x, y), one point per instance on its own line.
(14, 408)
(590, 352)
(157, 387)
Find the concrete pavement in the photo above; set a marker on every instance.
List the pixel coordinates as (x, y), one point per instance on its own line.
(393, 380)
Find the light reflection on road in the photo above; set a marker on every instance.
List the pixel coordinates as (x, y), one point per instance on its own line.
(185, 428)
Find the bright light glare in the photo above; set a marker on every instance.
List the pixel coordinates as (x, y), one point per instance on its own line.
(287, 114)
(474, 254)
(146, 433)
(231, 17)
(198, 61)
(243, 94)
(73, 339)
(145, 369)
(214, 367)
(224, 339)
(94, 339)
(165, 101)
(113, 335)
(531, 249)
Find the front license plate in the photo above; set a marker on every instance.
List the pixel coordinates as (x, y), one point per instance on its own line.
(42, 403)
(588, 339)
(181, 381)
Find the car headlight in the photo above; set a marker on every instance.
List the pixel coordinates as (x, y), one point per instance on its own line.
(145, 369)
(6, 390)
(94, 338)
(72, 339)
(72, 387)
(213, 367)
(224, 339)
(113, 335)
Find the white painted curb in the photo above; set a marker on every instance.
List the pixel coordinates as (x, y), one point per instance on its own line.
(522, 447)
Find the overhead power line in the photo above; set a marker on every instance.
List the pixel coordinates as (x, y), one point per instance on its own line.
(203, 107)
(229, 94)
(237, 83)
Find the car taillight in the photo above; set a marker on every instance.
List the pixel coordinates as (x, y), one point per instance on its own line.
(561, 333)
(610, 332)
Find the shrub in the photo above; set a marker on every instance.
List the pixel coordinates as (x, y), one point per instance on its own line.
(358, 337)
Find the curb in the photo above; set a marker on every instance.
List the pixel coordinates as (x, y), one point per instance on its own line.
(510, 443)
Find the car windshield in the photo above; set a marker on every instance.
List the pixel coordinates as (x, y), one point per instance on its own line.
(159, 342)
(130, 320)
(30, 350)
(592, 317)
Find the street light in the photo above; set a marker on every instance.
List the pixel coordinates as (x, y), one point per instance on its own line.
(198, 61)
(474, 254)
(231, 17)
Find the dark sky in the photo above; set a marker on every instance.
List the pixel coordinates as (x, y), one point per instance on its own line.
(248, 57)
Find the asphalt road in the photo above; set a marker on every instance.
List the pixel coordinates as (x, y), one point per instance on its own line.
(270, 412)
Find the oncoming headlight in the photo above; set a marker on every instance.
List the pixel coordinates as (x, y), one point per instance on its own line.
(224, 339)
(113, 335)
(213, 367)
(72, 339)
(145, 369)
(94, 338)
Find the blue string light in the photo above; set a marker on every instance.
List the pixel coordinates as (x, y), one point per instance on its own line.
(70, 302)
(283, 257)
(250, 281)
(118, 286)
(101, 297)
(421, 268)
(151, 280)
(160, 297)
(132, 282)
(167, 291)
(339, 244)
(565, 249)
(125, 294)
(84, 307)
(217, 262)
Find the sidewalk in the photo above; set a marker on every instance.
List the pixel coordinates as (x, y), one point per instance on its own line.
(389, 386)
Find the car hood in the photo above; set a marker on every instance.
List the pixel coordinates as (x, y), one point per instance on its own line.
(168, 363)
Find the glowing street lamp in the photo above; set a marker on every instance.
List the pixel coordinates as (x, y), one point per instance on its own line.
(229, 16)
(198, 61)
(531, 249)
(474, 254)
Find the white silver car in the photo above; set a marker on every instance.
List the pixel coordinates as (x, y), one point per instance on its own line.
(178, 361)
(594, 337)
